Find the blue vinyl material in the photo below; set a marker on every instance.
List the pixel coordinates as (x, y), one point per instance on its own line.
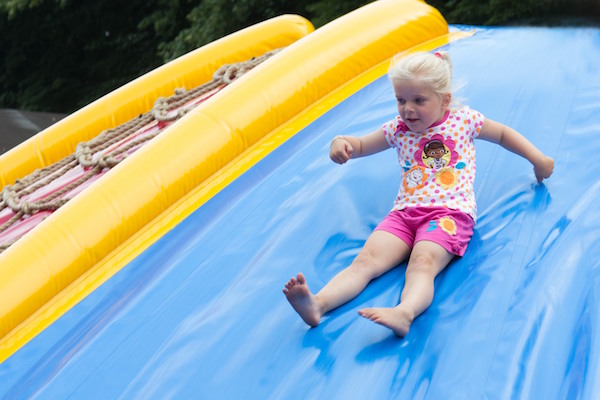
(201, 315)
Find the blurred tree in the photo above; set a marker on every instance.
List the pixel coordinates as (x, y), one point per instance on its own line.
(212, 19)
(59, 55)
(324, 11)
(518, 12)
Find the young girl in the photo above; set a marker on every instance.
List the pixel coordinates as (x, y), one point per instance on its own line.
(433, 215)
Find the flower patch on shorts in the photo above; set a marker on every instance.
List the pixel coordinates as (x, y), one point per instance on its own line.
(447, 224)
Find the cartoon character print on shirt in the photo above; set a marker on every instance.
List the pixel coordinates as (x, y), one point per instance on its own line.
(437, 153)
(414, 179)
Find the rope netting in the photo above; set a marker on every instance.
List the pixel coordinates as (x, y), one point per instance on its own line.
(31, 199)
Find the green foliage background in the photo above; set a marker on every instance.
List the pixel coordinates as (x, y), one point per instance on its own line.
(59, 55)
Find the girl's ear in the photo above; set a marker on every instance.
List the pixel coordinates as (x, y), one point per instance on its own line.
(446, 99)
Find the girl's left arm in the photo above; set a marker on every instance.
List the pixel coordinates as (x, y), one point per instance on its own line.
(344, 148)
(510, 139)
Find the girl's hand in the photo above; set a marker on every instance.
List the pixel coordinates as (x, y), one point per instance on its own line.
(543, 168)
(340, 150)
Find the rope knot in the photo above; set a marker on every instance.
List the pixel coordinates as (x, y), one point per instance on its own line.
(83, 154)
(160, 110)
(107, 161)
(28, 208)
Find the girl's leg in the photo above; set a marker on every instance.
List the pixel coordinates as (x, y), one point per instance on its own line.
(381, 252)
(426, 261)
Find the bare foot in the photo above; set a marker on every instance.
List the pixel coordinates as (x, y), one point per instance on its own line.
(397, 319)
(303, 301)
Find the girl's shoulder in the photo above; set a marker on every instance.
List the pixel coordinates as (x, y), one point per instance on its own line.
(466, 117)
(394, 130)
(465, 112)
(395, 126)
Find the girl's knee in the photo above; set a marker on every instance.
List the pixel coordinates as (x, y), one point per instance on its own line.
(366, 264)
(422, 263)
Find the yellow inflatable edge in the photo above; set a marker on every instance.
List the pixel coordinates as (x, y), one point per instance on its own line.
(140, 201)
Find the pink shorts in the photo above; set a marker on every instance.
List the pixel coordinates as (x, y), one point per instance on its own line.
(449, 228)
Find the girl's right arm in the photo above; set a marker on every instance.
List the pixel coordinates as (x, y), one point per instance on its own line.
(510, 139)
(344, 148)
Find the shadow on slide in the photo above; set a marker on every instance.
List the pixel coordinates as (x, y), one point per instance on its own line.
(195, 310)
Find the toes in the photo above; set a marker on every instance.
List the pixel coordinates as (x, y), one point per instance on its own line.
(371, 314)
(294, 282)
(291, 283)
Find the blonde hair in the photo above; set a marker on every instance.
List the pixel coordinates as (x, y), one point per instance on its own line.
(433, 69)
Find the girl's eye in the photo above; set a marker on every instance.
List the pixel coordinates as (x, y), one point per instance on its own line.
(401, 101)
(419, 101)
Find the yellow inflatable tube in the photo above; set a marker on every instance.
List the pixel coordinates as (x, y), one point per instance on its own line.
(94, 224)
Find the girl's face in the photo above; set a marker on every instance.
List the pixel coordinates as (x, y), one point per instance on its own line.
(419, 106)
